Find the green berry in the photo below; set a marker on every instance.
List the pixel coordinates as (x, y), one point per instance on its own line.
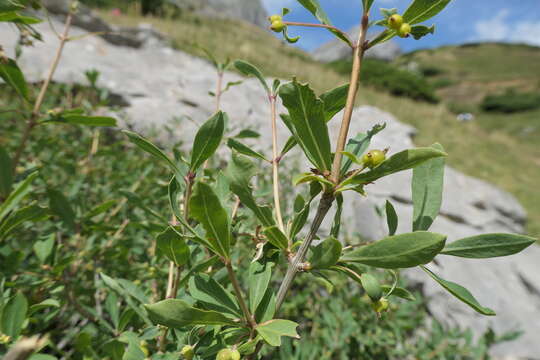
(374, 158)
(380, 305)
(275, 18)
(395, 21)
(277, 26)
(404, 30)
(187, 352)
(228, 354)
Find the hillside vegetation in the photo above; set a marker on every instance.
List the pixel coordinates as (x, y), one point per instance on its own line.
(491, 148)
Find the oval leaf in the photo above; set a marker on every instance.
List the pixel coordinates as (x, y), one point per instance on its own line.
(207, 209)
(403, 160)
(371, 286)
(214, 297)
(400, 251)
(422, 10)
(176, 313)
(172, 245)
(13, 76)
(272, 331)
(207, 140)
(488, 246)
(250, 70)
(461, 293)
(325, 254)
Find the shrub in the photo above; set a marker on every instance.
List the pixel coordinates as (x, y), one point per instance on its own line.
(511, 101)
(387, 77)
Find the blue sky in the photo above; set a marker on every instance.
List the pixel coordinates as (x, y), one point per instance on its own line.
(462, 21)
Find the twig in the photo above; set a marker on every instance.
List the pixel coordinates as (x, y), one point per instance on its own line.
(219, 90)
(275, 166)
(238, 291)
(351, 96)
(330, 27)
(31, 123)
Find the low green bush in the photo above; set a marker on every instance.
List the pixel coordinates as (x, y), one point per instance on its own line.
(511, 101)
(387, 77)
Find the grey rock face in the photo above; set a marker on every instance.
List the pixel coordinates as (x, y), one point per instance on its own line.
(167, 93)
(248, 10)
(338, 50)
(140, 36)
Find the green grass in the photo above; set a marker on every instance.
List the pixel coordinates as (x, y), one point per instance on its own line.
(489, 148)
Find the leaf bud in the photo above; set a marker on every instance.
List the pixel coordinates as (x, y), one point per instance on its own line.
(380, 305)
(404, 30)
(275, 18)
(374, 158)
(187, 352)
(228, 354)
(395, 21)
(277, 26)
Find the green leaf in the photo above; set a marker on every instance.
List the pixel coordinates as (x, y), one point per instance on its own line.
(488, 246)
(82, 120)
(17, 195)
(6, 176)
(259, 275)
(251, 70)
(15, 18)
(10, 5)
(422, 10)
(176, 314)
(371, 286)
(173, 246)
(367, 5)
(29, 213)
(248, 134)
(384, 36)
(207, 140)
(325, 254)
(272, 331)
(43, 305)
(153, 150)
(461, 293)
(239, 172)
(44, 248)
(100, 208)
(308, 123)
(13, 76)
(315, 8)
(427, 191)
(14, 315)
(207, 209)
(420, 31)
(334, 101)
(404, 160)
(276, 237)
(336, 224)
(61, 207)
(213, 296)
(399, 251)
(399, 292)
(244, 149)
(391, 218)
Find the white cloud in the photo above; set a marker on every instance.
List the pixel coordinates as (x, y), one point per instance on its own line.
(499, 28)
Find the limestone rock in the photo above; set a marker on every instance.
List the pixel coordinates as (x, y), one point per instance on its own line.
(338, 50)
(167, 93)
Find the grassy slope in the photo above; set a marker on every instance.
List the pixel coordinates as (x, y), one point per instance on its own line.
(484, 152)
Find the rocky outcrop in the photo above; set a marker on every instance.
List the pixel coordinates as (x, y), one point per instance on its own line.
(248, 10)
(338, 50)
(167, 92)
(141, 36)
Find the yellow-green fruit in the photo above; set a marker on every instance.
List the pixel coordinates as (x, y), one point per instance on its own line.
(374, 158)
(228, 354)
(277, 26)
(187, 352)
(275, 18)
(380, 305)
(404, 30)
(395, 21)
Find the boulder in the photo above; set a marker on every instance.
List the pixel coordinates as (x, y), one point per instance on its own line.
(166, 93)
(338, 50)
